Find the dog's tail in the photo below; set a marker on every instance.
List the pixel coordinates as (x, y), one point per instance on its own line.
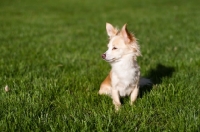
(145, 82)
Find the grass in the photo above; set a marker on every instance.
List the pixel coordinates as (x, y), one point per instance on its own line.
(50, 59)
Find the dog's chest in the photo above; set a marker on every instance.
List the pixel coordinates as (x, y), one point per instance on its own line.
(125, 80)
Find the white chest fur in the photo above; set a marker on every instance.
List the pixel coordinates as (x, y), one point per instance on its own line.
(125, 76)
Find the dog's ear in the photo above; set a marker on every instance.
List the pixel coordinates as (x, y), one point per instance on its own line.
(128, 37)
(130, 40)
(111, 31)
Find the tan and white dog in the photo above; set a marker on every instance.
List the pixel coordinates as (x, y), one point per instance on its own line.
(123, 79)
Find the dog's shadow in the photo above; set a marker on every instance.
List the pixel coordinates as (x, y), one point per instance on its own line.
(155, 75)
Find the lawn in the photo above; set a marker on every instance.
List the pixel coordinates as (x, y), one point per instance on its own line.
(50, 58)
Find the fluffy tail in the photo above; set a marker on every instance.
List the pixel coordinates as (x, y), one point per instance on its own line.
(145, 82)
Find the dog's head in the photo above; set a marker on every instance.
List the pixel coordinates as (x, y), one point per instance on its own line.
(121, 43)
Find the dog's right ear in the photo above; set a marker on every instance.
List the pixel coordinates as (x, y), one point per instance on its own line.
(111, 31)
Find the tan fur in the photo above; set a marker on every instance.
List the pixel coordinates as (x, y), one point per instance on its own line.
(105, 87)
(124, 76)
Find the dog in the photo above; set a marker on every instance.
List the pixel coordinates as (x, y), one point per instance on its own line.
(123, 79)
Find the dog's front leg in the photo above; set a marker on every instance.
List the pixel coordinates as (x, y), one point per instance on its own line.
(116, 99)
(134, 94)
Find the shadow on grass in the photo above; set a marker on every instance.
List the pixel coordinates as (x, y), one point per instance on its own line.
(155, 75)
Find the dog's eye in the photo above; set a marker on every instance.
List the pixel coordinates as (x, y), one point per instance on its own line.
(114, 48)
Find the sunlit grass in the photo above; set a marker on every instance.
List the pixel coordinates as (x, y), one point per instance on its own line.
(50, 59)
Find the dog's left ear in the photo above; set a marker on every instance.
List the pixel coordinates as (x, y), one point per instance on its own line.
(128, 37)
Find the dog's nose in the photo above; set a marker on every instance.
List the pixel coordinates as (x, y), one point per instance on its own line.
(103, 56)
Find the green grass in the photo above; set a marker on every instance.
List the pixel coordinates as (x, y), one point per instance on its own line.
(50, 59)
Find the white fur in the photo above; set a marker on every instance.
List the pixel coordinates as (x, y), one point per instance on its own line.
(125, 73)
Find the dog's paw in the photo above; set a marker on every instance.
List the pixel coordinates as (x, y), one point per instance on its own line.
(105, 91)
(117, 108)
